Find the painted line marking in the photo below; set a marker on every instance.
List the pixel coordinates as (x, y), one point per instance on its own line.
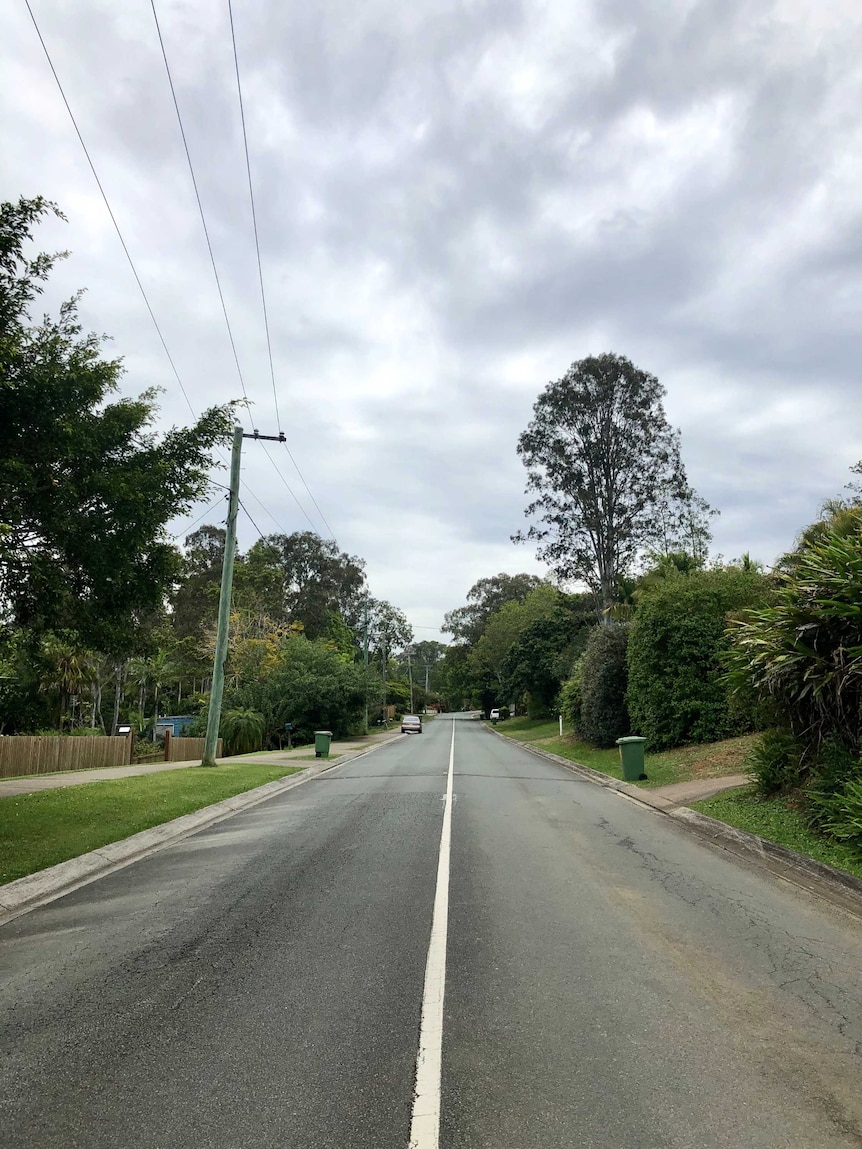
(425, 1125)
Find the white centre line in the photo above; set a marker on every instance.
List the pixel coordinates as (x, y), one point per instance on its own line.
(425, 1126)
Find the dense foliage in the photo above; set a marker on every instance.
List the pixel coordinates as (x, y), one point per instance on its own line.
(86, 485)
(604, 680)
(487, 596)
(604, 465)
(306, 683)
(524, 650)
(677, 692)
(803, 652)
(102, 616)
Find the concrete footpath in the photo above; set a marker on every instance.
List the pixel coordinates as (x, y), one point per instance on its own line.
(696, 789)
(33, 782)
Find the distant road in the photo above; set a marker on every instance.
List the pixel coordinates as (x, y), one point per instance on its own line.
(608, 982)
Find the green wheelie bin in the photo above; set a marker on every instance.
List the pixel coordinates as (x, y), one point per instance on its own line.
(632, 757)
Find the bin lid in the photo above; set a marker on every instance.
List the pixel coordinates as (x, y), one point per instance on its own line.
(329, 732)
(631, 738)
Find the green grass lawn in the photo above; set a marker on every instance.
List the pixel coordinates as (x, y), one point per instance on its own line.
(50, 826)
(775, 819)
(711, 760)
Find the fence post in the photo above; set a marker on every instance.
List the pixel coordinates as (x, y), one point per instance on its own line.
(168, 736)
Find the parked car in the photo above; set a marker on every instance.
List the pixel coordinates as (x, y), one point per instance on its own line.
(411, 724)
(495, 714)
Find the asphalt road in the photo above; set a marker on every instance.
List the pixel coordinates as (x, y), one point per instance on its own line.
(610, 981)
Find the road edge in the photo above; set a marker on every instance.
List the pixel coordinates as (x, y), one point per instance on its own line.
(835, 886)
(43, 886)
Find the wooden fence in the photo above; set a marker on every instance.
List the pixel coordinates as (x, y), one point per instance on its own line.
(22, 754)
(187, 749)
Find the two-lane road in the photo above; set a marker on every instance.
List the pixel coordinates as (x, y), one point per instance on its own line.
(609, 980)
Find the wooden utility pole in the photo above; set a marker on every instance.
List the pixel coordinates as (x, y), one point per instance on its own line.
(410, 673)
(385, 714)
(365, 659)
(217, 688)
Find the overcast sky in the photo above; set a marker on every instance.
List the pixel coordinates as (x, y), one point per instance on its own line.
(455, 201)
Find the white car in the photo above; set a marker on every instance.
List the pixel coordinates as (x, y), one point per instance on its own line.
(411, 724)
(494, 715)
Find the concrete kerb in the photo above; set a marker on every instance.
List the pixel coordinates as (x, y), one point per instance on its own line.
(835, 886)
(34, 890)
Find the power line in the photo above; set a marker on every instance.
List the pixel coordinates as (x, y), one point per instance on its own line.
(254, 218)
(108, 206)
(264, 508)
(290, 489)
(131, 262)
(250, 519)
(260, 267)
(122, 240)
(317, 505)
(200, 204)
(191, 526)
(215, 267)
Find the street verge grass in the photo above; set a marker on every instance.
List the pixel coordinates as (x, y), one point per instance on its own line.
(685, 764)
(776, 820)
(50, 826)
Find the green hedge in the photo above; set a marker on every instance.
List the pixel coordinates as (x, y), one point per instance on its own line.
(677, 689)
(604, 675)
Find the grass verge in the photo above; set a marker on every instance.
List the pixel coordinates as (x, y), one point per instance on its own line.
(775, 819)
(711, 760)
(50, 826)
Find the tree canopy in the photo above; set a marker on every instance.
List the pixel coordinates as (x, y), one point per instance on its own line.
(606, 470)
(86, 484)
(467, 623)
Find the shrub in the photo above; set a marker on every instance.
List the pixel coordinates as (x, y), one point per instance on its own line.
(678, 692)
(313, 687)
(834, 769)
(803, 653)
(570, 696)
(844, 815)
(242, 731)
(774, 762)
(604, 677)
(504, 713)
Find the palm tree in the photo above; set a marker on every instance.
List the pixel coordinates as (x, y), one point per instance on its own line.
(68, 670)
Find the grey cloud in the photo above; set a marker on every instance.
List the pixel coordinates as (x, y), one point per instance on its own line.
(678, 185)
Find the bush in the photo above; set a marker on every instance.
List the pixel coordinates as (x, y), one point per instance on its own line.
(834, 769)
(774, 762)
(570, 697)
(678, 692)
(504, 713)
(312, 686)
(604, 678)
(844, 816)
(242, 731)
(802, 652)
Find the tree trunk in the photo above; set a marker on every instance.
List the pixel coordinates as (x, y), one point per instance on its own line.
(118, 688)
(95, 698)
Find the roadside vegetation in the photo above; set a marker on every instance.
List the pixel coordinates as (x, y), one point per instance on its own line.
(722, 666)
(684, 764)
(51, 826)
(779, 820)
(104, 619)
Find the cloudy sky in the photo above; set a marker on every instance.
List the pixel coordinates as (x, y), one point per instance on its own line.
(455, 201)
